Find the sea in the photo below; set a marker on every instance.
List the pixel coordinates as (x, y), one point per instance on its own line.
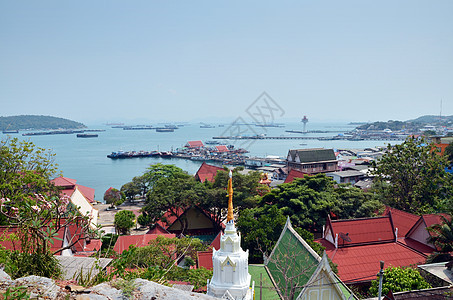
(85, 159)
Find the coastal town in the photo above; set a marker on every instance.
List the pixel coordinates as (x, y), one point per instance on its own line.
(343, 254)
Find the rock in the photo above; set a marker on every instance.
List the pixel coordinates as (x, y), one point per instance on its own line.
(4, 276)
(151, 290)
(39, 287)
(106, 290)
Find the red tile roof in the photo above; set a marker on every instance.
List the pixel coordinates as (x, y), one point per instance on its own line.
(422, 248)
(222, 148)
(433, 219)
(294, 174)
(361, 263)
(194, 144)
(401, 220)
(363, 231)
(158, 229)
(64, 182)
(124, 241)
(204, 259)
(216, 242)
(93, 245)
(69, 185)
(207, 172)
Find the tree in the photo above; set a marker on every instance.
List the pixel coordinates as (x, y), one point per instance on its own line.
(124, 221)
(308, 201)
(246, 193)
(130, 190)
(449, 152)
(398, 279)
(32, 207)
(442, 237)
(112, 196)
(414, 175)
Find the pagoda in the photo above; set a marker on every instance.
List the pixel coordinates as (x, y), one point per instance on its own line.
(230, 279)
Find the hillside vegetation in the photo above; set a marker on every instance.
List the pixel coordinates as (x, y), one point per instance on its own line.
(409, 124)
(37, 122)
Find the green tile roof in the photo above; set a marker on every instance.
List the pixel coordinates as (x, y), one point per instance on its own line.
(292, 262)
(267, 287)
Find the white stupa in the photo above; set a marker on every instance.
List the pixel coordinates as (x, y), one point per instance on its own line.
(231, 278)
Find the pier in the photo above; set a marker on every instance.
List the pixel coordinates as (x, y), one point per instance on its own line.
(320, 138)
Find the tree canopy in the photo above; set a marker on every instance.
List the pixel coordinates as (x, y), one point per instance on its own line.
(124, 221)
(411, 177)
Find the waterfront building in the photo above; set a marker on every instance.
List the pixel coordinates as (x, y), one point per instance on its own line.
(312, 161)
(230, 279)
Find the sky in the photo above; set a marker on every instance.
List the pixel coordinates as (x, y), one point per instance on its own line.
(126, 61)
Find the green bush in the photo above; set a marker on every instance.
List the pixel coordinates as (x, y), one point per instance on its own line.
(399, 279)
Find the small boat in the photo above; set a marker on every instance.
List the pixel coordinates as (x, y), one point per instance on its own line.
(87, 135)
(166, 154)
(10, 131)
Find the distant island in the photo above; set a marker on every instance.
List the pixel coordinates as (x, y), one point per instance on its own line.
(409, 124)
(34, 122)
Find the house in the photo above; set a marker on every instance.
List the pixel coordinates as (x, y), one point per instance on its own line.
(351, 177)
(419, 231)
(81, 196)
(357, 245)
(125, 241)
(296, 269)
(312, 161)
(204, 258)
(207, 172)
(68, 234)
(438, 293)
(192, 221)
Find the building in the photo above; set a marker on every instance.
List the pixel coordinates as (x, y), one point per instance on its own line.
(351, 177)
(312, 161)
(125, 241)
(294, 174)
(230, 279)
(357, 245)
(298, 272)
(81, 196)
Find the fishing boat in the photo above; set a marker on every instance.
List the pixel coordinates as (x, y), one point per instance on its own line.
(166, 154)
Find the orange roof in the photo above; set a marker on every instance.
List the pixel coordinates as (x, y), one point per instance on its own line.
(222, 148)
(194, 144)
(207, 172)
(64, 182)
(124, 241)
(294, 174)
(401, 220)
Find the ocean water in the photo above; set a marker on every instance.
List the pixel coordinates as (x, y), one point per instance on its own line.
(85, 159)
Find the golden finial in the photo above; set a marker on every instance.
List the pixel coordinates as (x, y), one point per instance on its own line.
(230, 198)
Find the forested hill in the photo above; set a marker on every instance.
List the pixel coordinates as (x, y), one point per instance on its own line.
(409, 124)
(37, 122)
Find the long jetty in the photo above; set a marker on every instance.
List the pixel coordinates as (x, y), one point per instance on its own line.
(321, 138)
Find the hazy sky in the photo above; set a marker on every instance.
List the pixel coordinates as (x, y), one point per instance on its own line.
(98, 60)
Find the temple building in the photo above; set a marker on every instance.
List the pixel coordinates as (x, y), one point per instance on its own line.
(230, 279)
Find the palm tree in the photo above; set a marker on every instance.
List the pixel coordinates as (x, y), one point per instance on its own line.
(441, 236)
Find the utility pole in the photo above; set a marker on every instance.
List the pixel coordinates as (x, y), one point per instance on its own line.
(381, 277)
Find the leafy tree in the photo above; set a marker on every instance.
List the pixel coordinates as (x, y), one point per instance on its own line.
(31, 205)
(442, 238)
(415, 174)
(399, 279)
(246, 193)
(173, 195)
(124, 221)
(308, 201)
(159, 171)
(449, 152)
(113, 197)
(130, 190)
